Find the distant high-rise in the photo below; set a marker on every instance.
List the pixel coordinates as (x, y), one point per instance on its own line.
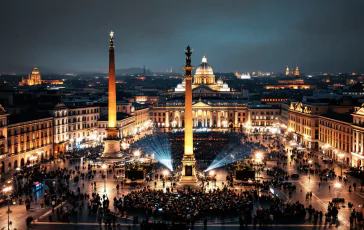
(297, 71)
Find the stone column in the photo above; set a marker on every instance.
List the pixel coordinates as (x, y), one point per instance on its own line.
(218, 119)
(357, 142)
(236, 119)
(167, 119)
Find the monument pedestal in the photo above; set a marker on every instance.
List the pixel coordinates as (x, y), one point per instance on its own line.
(188, 169)
(112, 144)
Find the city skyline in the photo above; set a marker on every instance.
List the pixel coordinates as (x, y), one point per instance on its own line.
(240, 36)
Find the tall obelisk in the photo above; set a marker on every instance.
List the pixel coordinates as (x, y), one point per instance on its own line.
(188, 160)
(112, 141)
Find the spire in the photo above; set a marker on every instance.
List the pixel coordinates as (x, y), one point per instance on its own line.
(287, 71)
(204, 59)
(297, 71)
(111, 39)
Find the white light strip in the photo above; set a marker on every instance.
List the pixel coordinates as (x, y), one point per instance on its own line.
(357, 155)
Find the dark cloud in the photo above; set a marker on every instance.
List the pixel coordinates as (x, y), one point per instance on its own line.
(239, 35)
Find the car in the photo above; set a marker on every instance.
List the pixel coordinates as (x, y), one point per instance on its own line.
(295, 176)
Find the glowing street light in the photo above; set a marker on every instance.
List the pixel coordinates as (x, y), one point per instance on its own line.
(258, 156)
(212, 173)
(136, 153)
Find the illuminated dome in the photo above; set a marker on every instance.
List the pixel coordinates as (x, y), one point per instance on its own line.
(35, 71)
(219, 82)
(204, 68)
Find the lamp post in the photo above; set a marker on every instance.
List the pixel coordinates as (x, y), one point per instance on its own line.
(8, 189)
(104, 166)
(341, 156)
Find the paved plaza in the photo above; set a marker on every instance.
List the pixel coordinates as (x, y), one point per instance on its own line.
(321, 196)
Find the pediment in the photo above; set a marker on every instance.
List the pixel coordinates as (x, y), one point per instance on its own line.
(200, 104)
(202, 89)
(360, 111)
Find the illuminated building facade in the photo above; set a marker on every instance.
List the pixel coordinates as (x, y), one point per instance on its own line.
(335, 136)
(3, 131)
(29, 142)
(358, 138)
(35, 79)
(82, 127)
(304, 122)
(263, 118)
(209, 114)
(290, 84)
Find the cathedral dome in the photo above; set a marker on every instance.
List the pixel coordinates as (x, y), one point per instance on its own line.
(35, 71)
(219, 82)
(204, 68)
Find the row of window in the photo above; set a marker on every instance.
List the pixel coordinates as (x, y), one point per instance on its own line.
(30, 128)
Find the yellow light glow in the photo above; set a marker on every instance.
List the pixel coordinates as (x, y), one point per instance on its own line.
(137, 153)
(337, 185)
(212, 173)
(165, 172)
(104, 166)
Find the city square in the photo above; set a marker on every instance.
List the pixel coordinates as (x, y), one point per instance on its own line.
(89, 141)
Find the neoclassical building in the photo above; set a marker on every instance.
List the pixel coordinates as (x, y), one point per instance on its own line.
(358, 138)
(206, 114)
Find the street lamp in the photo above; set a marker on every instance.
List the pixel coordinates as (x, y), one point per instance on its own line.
(341, 156)
(8, 189)
(104, 167)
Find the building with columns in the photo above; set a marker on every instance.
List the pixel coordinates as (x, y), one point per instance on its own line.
(3, 131)
(30, 139)
(335, 136)
(210, 114)
(358, 138)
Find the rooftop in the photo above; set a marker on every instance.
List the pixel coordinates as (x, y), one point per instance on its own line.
(345, 117)
(119, 116)
(28, 117)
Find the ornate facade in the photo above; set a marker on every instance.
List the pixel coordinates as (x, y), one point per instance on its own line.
(35, 79)
(28, 142)
(358, 138)
(205, 114)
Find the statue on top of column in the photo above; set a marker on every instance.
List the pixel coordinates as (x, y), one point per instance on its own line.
(188, 52)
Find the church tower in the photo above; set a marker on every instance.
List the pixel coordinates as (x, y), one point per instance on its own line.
(297, 71)
(287, 71)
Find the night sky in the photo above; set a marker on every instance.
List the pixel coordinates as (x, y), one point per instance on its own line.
(72, 35)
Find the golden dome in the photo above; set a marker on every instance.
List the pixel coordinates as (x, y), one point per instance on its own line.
(35, 71)
(204, 68)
